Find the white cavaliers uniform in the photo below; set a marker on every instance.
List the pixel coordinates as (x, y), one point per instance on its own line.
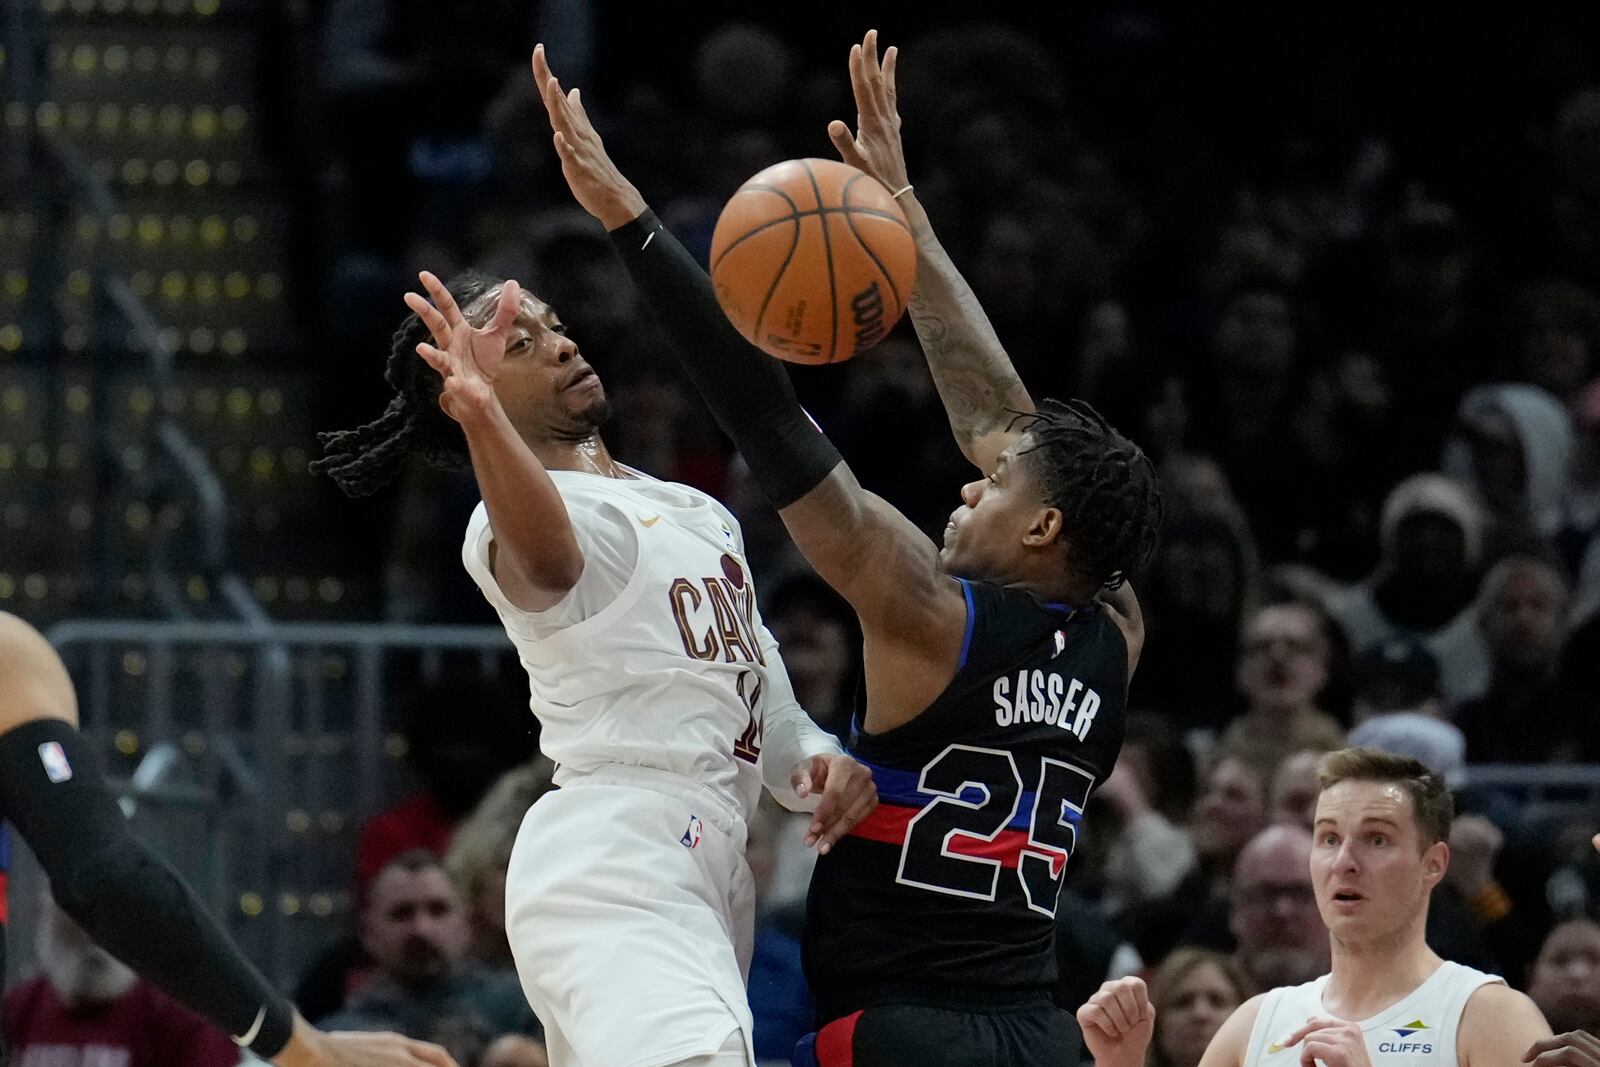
(1419, 1031)
(629, 905)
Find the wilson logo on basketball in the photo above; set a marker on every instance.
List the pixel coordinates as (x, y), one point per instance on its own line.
(867, 310)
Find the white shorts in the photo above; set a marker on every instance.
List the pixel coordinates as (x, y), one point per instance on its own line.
(630, 911)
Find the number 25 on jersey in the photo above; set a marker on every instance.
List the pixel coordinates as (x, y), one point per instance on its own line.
(982, 823)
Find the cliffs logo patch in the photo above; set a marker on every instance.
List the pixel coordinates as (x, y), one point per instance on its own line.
(1411, 1027)
(55, 762)
(691, 836)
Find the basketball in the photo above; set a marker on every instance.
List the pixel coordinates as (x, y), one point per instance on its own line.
(812, 261)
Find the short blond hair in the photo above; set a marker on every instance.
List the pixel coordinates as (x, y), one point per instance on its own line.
(1431, 802)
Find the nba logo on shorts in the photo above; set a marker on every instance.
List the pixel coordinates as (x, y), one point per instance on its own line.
(55, 762)
(691, 836)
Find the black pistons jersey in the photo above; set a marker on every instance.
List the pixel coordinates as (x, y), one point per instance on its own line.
(947, 892)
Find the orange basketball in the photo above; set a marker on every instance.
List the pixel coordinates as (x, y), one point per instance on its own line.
(812, 261)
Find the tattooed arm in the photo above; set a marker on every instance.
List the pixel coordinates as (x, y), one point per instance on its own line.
(977, 383)
(980, 389)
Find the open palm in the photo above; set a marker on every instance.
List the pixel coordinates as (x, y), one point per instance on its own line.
(467, 357)
(875, 147)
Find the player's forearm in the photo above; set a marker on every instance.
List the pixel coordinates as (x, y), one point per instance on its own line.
(532, 533)
(747, 391)
(976, 381)
(124, 897)
(789, 736)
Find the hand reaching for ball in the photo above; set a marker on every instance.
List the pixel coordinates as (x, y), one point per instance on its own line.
(595, 181)
(876, 147)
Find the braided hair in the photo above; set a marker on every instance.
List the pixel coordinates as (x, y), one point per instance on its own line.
(367, 458)
(1103, 485)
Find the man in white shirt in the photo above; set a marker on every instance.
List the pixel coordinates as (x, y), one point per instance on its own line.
(1381, 827)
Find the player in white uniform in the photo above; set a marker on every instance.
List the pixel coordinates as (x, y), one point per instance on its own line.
(1381, 825)
(661, 696)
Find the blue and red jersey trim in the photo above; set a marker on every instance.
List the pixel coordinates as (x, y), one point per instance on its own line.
(900, 801)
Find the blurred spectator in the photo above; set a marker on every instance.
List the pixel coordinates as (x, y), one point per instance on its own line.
(1193, 991)
(462, 733)
(481, 850)
(88, 1008)
(1247, 400)
(414, 927)
(1345, 463)
(1576, 541)
(1432, 539)
(1283, 667)
(1521, 718)
(1565, 980)
(1397, 675)
(1200, 587)
(819, 638)
(1512, 445)
(1419, 302)
(1231, 810)
(1275, 922)
(1432, 742)
(1149, 856)
(1580, 685)
(887, 401)
(1154, 753)
(1554, 337)
(1294, 789)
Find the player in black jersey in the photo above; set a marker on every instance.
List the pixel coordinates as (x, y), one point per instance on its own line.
(126, 899)
(996, 667)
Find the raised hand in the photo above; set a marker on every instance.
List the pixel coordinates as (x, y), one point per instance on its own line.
(875, 148)
(1118, 1023)
(848, 796)
(467, 357)
(595, 181)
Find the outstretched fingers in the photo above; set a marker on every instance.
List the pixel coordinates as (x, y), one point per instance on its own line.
(430, 318)
(434, 358)
(442, 299)
(505, 311)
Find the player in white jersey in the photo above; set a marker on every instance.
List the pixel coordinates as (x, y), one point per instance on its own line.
(661, 697)
(1381, 826)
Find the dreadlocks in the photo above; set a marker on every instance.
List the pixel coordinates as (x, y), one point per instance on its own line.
(367, 458)
(1103, 485)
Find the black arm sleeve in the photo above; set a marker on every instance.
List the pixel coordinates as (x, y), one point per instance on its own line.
(125, 898)
(747, 391)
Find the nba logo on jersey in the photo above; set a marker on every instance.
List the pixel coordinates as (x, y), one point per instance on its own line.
(691, 836)
(1061, 643)
(55, 762)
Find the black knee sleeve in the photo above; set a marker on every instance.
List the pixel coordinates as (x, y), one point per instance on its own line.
(128, 900)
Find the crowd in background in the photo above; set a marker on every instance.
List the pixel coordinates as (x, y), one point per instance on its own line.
(1339, 281)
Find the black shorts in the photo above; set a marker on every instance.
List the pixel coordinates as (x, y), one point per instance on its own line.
(1035, 1034)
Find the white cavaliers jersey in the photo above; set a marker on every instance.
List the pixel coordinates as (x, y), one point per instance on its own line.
(1419, 1031)
(657, 658)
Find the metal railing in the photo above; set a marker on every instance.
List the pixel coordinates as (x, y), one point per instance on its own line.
(267, 745)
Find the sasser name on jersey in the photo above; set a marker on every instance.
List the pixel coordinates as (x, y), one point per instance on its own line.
(1046, 696)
